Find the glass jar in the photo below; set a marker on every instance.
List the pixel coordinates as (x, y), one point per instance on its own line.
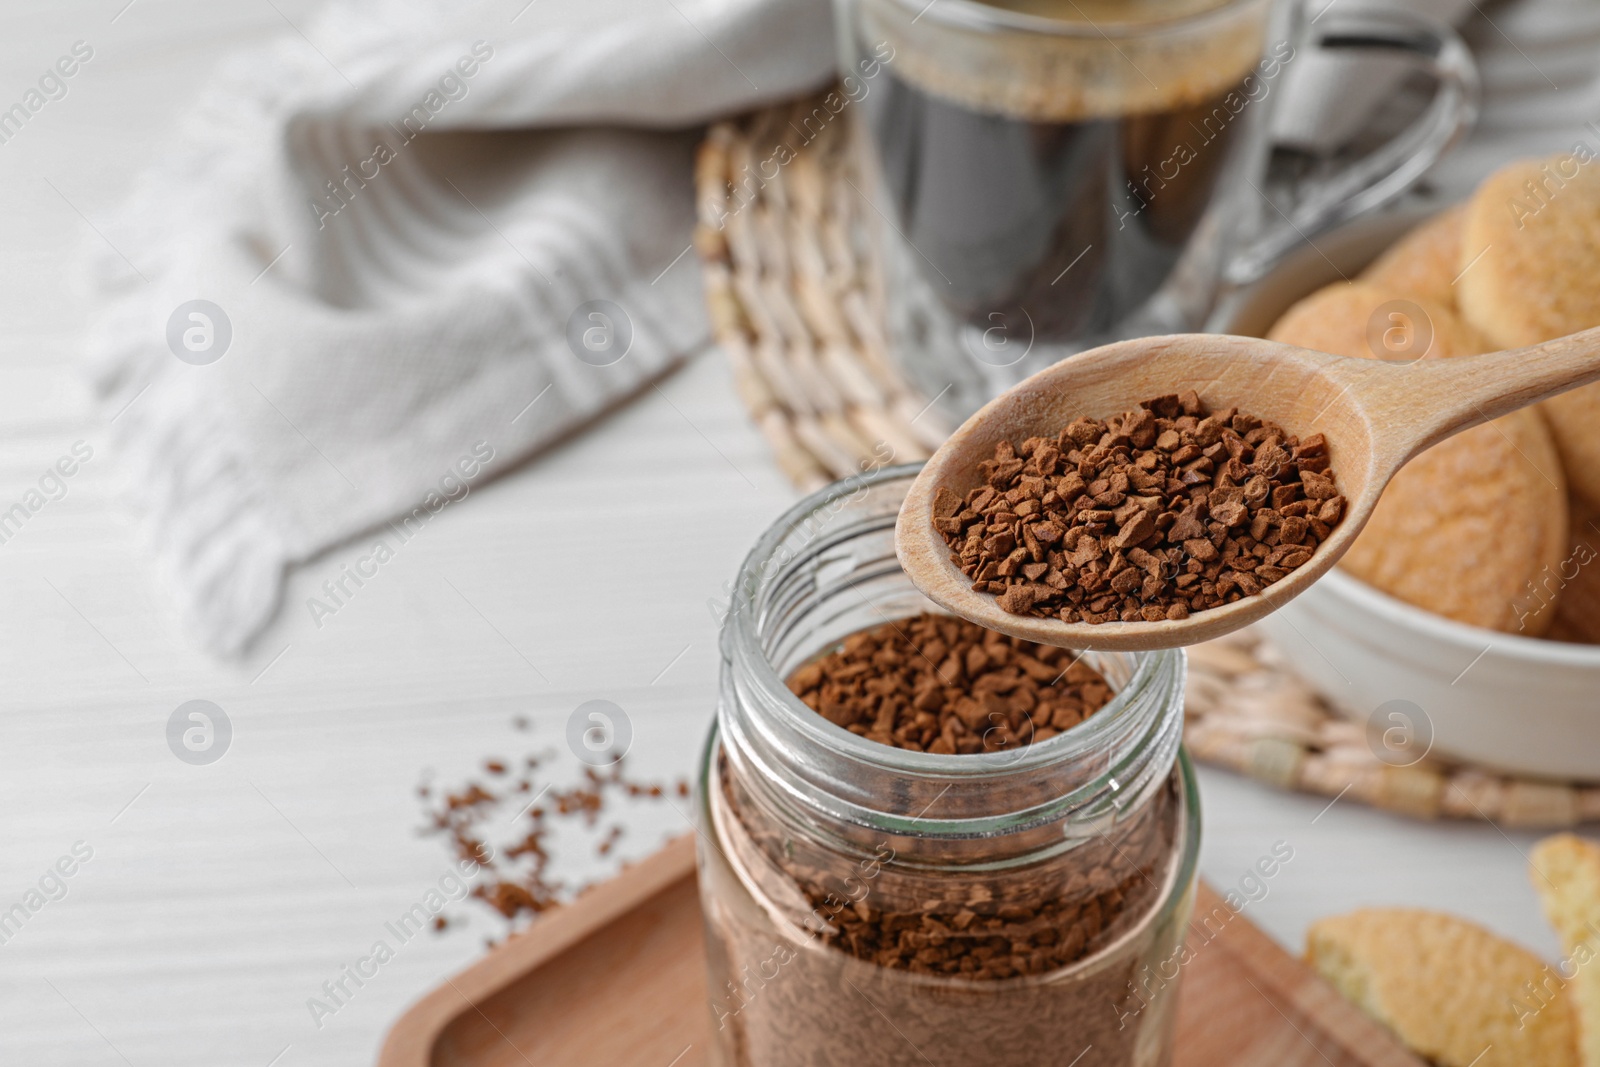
(871, 904)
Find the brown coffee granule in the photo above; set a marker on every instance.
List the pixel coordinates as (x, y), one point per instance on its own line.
(1149, 515)
(516, 878)
(933, 683)
(939, 684)
(978, 925)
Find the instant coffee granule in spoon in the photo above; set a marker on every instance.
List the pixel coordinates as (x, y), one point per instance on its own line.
(1147, 516)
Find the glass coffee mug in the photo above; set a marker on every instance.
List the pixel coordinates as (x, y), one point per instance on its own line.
(1051, 175)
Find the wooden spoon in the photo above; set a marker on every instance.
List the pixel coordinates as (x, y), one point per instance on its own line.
(1375, 415)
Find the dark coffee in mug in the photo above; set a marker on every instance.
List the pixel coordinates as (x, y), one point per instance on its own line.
(1068, 177)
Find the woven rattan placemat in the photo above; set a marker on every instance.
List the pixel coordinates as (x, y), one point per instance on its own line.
(795, 298)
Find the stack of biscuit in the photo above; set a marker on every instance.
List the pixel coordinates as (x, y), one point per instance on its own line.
(1464, 997)
(1492, 527)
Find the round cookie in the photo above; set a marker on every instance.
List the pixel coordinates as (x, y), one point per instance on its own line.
(1465, 527)
(1424, 263)
(1574, 420)
(1530, 252)
(1536, 224)
(1469, 527)
(1452, 991)
(1565, 871)
(1368, 321)
(1572, 591)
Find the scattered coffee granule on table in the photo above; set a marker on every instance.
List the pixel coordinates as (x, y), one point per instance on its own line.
(515, 878)
(1149, 515)
(933, 683)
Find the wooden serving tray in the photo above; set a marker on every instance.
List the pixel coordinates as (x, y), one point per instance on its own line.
(617, 979)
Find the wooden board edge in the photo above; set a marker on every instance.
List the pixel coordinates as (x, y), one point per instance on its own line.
(410, 1040)
(1294, 984)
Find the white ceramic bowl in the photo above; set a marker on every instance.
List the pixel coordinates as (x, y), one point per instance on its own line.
(1518, 704)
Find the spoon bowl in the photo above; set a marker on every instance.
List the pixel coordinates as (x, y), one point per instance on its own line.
(1375, 415)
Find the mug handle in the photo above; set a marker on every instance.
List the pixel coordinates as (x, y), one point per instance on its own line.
(1384, 174)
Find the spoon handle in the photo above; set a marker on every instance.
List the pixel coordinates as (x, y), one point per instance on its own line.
(1415, 406)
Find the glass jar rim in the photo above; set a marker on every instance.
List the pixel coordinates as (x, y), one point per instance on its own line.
(989, 18)
(742, 645)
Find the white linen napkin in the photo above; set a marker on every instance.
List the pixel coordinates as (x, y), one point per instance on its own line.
(398, 223)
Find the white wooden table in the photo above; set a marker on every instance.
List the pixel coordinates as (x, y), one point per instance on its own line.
(219, 899)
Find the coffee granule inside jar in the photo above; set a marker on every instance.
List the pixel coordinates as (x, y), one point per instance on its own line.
(1150, 515)
(944, 685)
(933, 683)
